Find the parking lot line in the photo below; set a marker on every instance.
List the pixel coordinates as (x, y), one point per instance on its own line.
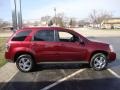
(113, 73)
(63, 79)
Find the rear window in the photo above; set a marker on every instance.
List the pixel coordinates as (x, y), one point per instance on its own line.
(21, 35)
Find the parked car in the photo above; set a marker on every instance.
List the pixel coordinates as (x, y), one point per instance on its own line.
(33, 45)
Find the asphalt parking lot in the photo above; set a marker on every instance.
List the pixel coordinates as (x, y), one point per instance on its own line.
(70, 77)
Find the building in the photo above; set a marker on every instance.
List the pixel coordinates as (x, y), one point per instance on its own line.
(111, 23)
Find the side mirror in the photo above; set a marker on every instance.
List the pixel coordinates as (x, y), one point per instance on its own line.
(11, 28)
(82, 41)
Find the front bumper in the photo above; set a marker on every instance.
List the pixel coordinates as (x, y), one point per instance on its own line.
(111, 56)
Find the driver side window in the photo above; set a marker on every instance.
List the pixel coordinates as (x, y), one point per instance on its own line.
(67, 37)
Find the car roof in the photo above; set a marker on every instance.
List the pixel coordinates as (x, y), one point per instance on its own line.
(42, 28)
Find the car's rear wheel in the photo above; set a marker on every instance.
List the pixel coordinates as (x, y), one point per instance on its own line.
(98, 61)
(25, 63)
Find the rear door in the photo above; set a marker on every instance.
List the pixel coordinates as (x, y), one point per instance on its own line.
(44, 45)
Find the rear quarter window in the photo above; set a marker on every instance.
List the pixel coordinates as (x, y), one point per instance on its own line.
(21, 35)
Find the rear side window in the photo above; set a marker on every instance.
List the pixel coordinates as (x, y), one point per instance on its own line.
(44, 35)
(21, 36)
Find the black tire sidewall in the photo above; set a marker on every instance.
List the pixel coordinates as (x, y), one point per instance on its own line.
(25, 56)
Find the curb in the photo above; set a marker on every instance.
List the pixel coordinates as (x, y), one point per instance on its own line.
(7, 72)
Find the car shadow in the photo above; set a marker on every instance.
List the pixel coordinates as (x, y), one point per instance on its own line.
(40, 67)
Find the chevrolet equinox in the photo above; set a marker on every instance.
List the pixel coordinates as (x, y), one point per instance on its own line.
(33, 45)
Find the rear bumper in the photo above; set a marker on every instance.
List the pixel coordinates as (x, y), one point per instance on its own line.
(8, 57)
(111, 56)
(9, 60)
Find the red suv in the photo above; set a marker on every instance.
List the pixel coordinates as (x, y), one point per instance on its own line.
(34, 45)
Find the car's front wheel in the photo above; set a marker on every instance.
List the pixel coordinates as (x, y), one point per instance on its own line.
(25, 63)
(98, 61)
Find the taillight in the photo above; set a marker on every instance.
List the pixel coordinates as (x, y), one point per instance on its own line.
(7, 46)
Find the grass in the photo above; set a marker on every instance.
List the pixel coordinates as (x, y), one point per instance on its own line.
(2, 51)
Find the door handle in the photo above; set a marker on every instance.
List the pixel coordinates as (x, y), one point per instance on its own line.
(33, 44)
(62, 44)
(46, 46)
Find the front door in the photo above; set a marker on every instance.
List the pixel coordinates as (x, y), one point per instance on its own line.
(69, 47)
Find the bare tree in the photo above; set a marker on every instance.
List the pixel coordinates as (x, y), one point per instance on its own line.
(50, 23)
(59, 19)
(96, 17)
(82, 23)
(72, 22)
(45, 19)
(93, 17)
(3, 23)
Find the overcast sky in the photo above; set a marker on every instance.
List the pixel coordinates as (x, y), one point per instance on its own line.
(34, 9)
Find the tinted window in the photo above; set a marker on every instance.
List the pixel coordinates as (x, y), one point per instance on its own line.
(44, 35)
(21, 36)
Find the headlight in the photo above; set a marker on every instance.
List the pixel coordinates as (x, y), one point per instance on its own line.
(111, 48)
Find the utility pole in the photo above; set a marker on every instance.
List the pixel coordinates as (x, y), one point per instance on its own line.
(55, 16)
(16, 14)
(19, 14)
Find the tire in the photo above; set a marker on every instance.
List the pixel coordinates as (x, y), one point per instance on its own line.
(25, 63)
(98, 61)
